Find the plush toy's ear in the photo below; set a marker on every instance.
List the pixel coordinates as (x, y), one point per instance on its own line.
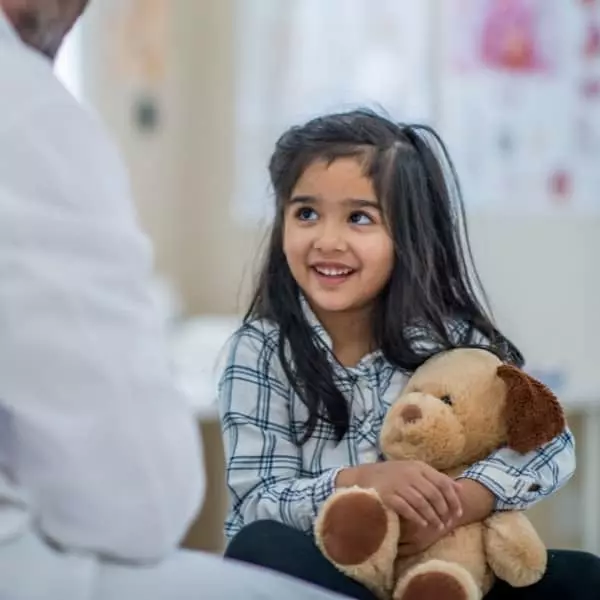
(532, 412)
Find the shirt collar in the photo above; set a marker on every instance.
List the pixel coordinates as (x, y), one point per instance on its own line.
(322, 335)
(314, 322)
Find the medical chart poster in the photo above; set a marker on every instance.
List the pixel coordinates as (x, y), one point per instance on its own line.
(519, 103)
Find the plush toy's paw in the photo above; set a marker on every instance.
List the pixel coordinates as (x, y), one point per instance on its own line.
(437, 580)
(515, 552)
(359, 535)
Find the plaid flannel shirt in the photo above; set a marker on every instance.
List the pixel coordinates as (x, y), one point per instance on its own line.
(269, 476)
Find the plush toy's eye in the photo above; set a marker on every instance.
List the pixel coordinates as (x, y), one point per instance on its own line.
(446, 400)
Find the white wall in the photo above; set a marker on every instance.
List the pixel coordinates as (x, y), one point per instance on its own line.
(541, 274)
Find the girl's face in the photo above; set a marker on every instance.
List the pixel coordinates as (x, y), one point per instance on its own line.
(336, 244)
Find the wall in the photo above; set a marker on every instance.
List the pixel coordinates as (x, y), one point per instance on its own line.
(175, 170)
(537, 271)
(540, 274)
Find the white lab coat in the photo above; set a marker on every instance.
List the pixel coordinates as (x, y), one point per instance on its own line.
(100, 461)
(101, 449)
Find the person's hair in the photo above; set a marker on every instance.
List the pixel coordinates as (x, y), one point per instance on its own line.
(41, 24)
(430, 302)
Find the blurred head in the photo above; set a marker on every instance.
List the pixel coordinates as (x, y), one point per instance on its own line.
(368, 217)
(43, 24)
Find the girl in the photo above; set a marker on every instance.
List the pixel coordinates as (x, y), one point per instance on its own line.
(367, 275)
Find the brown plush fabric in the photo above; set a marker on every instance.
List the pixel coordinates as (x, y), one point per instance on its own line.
(532, 413)
(434, 586)
(365, 525)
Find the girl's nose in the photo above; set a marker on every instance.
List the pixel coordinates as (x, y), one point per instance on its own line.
(330, 239)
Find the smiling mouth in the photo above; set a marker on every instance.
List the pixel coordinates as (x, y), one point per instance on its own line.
(333, 272)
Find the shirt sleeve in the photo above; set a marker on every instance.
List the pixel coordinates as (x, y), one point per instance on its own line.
(519, 481)
(264, 465)
(104, 446)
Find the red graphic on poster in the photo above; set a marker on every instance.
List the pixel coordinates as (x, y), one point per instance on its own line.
(592, 41)
(590, 89)
(511, 37)
(561, 186)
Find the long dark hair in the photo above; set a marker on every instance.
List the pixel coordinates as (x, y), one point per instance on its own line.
(430, 302)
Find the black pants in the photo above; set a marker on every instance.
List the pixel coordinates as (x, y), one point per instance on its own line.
(570, 574)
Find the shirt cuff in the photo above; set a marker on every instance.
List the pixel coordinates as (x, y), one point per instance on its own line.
(323, 488)
(512, 492)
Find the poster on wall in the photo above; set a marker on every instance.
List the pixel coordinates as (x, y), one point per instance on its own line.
(300, 58)
(139, 40)
(520, 103)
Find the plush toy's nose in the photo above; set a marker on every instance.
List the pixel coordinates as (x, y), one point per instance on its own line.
(411, 413)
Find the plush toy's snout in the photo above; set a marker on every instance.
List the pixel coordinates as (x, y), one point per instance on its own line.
(422, 427)
(410, 413)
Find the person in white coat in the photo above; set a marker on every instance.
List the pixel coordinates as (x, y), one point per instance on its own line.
(100, 459)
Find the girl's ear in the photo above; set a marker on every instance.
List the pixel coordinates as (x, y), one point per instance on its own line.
(532, 413)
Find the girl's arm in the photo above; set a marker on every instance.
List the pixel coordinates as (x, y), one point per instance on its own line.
(518, 481)
(263, 463)
(504, 481)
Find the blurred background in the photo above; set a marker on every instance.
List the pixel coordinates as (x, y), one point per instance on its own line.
(195, 93)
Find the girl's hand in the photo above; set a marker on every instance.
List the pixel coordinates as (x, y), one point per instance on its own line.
(415, 538)
(412, 489)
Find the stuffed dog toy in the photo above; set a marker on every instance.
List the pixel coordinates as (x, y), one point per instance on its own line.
(455, 410)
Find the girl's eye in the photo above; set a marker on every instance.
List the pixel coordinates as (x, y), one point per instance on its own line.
(305, 213)
(360, 218)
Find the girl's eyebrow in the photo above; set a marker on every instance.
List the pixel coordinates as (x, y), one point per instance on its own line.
(303, 200)
(351, 202)
(362, 203)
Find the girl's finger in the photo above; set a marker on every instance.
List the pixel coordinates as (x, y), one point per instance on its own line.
(435, 497)
(422, 506)
(448, 487)
(403, 509)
